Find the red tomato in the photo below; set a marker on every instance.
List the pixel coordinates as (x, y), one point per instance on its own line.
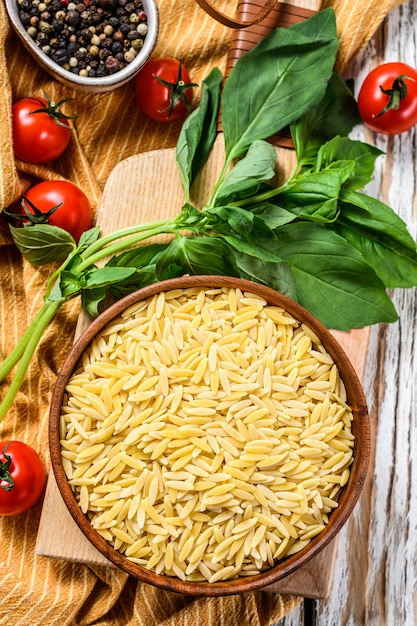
(387, 100)
(163, 90)
(22, 477)
(74, 215)
(41, 132)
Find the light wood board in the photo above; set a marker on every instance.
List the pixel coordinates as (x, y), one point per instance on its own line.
(145, 188)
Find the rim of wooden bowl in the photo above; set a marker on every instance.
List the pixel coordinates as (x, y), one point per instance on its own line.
(349, 494)
(85, 83)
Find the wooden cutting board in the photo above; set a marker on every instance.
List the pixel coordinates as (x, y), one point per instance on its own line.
(145, 188)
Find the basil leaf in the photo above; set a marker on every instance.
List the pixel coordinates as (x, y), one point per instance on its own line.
(199, 131)
(245, 177)
(253, 249)
(143, 259)
(138, 257)
(104, 276)
(332, 279)
(361, 154)
(42, 243)
(296, 64)
(336, 114)
(88, 237)
(234, 220)
(382, 238)
(196, 255)
(93, 299)
(275, 275)
(314, 196)
(189, 218)
(70, 284)
(273, 214)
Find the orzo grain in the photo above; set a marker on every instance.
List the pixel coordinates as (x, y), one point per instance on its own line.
(206, 434)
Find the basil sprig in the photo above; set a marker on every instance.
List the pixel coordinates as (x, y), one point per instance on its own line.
(317, 237)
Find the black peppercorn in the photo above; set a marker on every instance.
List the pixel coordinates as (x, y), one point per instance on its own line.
(72, 48)
(104, 54)
(42, 38)
(61, 56)
(25, 19)
(117, 46)
(124, 28)
(73, 18)
(57, 25)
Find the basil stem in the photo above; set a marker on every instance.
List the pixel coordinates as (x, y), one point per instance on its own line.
(32, 337)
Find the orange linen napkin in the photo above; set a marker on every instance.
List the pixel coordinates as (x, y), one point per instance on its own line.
(109, 128)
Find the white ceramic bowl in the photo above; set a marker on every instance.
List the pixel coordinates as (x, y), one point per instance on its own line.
(83, 83)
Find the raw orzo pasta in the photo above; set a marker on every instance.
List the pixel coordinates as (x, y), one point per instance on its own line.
(206, 434)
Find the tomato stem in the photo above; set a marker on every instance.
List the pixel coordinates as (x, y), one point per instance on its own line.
(177, 91)
(37, 217)
(52, 109)
(396, 93)
(5, 475)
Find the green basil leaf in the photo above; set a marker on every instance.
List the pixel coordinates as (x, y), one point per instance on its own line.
(296, 64)
(138, 257)
(245, 177)
(314, 196)
(189, 218)
(196, 255)
(336, 114)
(92, 300)
(332, 279)
(199, 131)
(104, 276)
(141, 278)
(361, 154)
(88, 237)
(143, 259)
(253, 249)
(232, 220)
(382, 238)
(273, 215)
(275, 275)
(42, 243)
(70, 284)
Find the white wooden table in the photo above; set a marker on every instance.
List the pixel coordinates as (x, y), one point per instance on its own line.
(375, 578)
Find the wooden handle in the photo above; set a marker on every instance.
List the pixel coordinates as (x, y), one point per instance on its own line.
(231, 22)
(281, 14)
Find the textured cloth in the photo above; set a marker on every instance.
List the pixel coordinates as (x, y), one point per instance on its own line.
(109, 128)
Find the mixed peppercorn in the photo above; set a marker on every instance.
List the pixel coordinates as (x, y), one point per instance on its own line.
(93, 38)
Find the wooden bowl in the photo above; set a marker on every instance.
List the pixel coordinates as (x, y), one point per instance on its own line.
(349, 494)
(83, 83)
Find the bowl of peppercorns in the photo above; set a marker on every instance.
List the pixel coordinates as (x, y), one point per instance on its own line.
(91, 45)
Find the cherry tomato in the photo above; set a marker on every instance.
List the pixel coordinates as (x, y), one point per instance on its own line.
(74, 213)
(22, 477)
(387, 100)
(163, 90)
(41, 132)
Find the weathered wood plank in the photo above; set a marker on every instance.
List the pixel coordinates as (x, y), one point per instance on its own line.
(376, 566)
